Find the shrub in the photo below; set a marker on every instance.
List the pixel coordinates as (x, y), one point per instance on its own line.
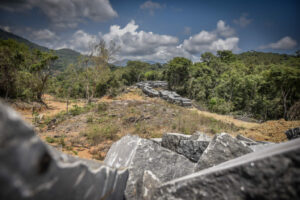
(97, 133)
(76, 110)
(50, 139)
(102, 107)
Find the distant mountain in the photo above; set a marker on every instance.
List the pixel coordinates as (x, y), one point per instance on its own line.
(123, 63)
(65, 56)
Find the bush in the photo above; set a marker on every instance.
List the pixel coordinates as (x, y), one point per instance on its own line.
(50, 139)
(102, 107)
(76, 110)
(98, 133)
(219, 105)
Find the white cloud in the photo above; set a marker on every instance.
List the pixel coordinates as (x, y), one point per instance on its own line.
(284, 43)
(65, 13)
(224, 30)
(151, 6)
(243, 21)
(140, 44)
(6, 28)
(135, 44)
(79, 41)
(222, 38)
(43, 35)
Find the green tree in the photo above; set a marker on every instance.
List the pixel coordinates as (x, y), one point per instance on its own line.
(177, 72)
(11, 60)
(287, 81)
(41, 68)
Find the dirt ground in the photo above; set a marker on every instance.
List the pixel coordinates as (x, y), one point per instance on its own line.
(133, 112)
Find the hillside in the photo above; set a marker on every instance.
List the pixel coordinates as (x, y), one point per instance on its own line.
(65, 56)
(89, 130)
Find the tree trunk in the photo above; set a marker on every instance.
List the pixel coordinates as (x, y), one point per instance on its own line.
(284, 100)
(6, 94)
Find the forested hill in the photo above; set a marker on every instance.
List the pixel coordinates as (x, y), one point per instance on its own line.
(65, 56)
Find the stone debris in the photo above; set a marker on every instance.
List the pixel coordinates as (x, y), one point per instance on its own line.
(170, 96)
(139, 155)
(271, 173)
(223, 147)
(293, 133)
(29, 169)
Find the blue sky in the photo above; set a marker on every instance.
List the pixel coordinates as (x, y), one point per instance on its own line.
(157, 30)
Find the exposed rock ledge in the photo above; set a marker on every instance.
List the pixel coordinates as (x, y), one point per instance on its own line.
(170, 96)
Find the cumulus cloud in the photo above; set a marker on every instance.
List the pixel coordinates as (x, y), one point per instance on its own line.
(151, 6)
(43, 35)
(222, 38)
(79, 41)
(243, 21)
(284, 43)
(65, 13)
(138, 43)
(223, 30)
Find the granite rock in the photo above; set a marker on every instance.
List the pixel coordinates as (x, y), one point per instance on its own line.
(293, 133)
(223, 147)
(150, 183)
(270, 174)
(141, 154)
(191, 147)
(29, 169)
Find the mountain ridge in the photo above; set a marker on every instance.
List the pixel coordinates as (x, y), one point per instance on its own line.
(65, 56)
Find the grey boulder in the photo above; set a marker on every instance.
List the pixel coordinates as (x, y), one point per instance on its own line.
(29, 169)
(246, 140)
(150, 92)
(172, 140)
(191, 147)
(223, 147)
(270, 174)
(141, 154)
(293, 133)
(150, 183)
(157, 140)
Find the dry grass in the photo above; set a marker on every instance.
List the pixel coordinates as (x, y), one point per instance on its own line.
(89, 134)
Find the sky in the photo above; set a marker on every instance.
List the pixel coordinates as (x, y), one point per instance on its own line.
(157, 30)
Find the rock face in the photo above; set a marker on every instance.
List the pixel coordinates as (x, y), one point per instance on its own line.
(150, 183)
(172, 97)
(293, 133)
(222, 148)
(172, 140)
(157, 140)
(191, 147)
(29, 169)
(246, 140)
(150, 92)
(175, 98)
(141, 154)
(272, 173)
